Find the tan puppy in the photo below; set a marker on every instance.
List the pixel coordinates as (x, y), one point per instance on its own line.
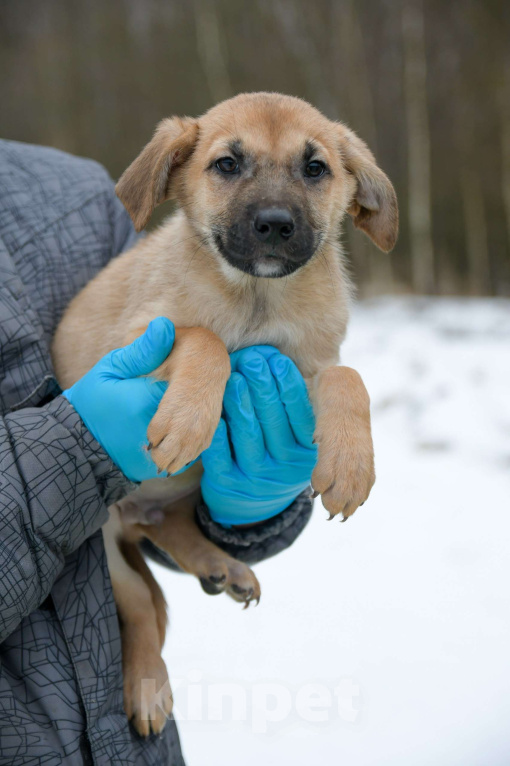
(263, 182)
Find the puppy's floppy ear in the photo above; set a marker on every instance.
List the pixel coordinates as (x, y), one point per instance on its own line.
(374, 207)
(146, 182)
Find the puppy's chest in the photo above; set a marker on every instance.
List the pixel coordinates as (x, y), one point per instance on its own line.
(259, 322)
(270, 331)
(309, 338)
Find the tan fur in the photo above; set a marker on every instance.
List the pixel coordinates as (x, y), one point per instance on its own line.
(190, 410)
(178, 272)
(179, 535)
(139, 607)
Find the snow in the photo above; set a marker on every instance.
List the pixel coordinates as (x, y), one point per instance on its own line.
(400, 618)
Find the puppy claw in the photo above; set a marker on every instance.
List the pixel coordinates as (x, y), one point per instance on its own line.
(315, 494)
(251, 600)
(245, 593)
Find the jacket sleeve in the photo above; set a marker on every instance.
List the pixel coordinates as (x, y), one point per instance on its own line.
(56, 483)
(261, 541)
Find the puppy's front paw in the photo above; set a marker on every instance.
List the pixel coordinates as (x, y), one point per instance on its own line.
(181, 429)
(344, 474)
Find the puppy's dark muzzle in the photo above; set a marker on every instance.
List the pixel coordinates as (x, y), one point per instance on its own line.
(268, 240)
(273, 225)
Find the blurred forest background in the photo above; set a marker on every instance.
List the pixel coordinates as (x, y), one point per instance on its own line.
(425, 82)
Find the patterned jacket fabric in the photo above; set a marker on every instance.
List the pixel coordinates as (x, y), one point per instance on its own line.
(60, 656)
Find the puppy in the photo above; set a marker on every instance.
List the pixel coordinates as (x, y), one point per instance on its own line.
(252, 255)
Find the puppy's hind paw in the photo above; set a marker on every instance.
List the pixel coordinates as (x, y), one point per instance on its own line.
(221, 574)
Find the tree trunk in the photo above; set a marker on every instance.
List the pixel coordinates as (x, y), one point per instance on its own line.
(505, 144)
(377, 271)
(418, 146)
(211, 49)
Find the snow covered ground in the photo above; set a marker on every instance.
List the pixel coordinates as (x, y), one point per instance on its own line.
(385, 640)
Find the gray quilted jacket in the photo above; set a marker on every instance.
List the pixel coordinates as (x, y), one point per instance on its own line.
(60, 661)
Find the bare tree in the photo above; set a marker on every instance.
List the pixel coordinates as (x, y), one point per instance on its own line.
(376, 268)
(418, 146)
(211, 48)
(425, 83)
(475, 222)
(504, 122)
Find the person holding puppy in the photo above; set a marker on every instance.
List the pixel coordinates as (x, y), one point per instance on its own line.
(65, 458)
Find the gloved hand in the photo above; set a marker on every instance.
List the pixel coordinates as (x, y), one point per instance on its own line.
(117, 406)
(261, 457)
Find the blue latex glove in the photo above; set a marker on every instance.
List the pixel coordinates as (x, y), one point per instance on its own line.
(117, 406)
(262, 456)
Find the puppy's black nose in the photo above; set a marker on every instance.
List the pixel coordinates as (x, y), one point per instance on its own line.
(273, 224)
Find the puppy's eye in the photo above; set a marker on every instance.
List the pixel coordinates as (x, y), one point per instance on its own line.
(227, 165)
(315, 169)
